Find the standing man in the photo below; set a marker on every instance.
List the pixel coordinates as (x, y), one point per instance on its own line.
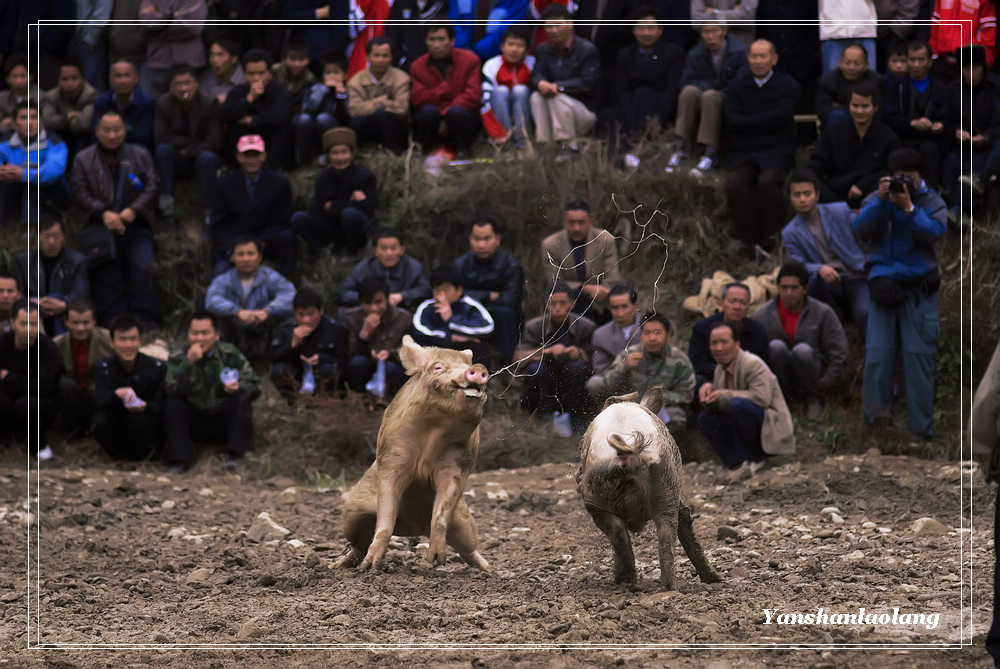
(585, 258)
(254, 200)
(130, 393)
(759, 112)
(445, 93)
(821, 237)
(566, 79)
(116, 184)
(494, 278)
(210, 392)
(901, 222)
(745, 417)
(753, 336)
(807, 348)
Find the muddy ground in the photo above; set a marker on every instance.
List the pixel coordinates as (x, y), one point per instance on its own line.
(158, 566)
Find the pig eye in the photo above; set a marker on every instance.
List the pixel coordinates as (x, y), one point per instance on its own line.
(439, 367)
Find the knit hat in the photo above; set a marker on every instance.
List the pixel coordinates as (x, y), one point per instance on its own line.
(971, 54)
(339, 136)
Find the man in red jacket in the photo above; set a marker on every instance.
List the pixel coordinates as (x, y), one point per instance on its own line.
(445, 93)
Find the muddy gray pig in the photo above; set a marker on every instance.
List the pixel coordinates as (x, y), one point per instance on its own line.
(427, 445)
(629, 474)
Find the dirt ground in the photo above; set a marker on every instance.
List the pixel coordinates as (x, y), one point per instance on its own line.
(136, 567)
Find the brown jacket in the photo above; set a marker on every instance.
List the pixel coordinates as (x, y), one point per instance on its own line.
(601, 259)
(755, 382)
(55, 108)
(388, 336)
(100, 348)
(365, 97)
(94, 189)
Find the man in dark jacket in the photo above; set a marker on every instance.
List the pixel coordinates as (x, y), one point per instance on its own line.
(918, 109)
(262, 107)
(53, 275)
(407, 28)
(188, 137)
(445, 93)
(28, 390)
(116, 184)
(494, 278)
(408, 286)
(375, 332)
(345, 199)
(851, 153)
(759, 111)
(703, 85)
(128, 98)
(834, 88)
(791, 25)
(309, 353)
(602, 23)
(253, 201)
(643, 83)
(129, 393)
(565, 77)
(452, 319)
(735, 300)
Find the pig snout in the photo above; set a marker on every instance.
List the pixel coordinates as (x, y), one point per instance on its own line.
(477, 374)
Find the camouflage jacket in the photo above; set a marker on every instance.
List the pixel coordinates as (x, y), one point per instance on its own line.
(672, 370)
(199, 383)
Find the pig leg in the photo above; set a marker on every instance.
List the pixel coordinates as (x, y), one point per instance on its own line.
(666, 534)
(693, 549)
(462, 536)
(617, 533)
(447, 494)
(390, 490)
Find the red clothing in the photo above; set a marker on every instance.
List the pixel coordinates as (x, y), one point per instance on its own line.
(368, 19)
(789, 321)
(946, 38)
(511, 75)
(461, 89)
(81, 358)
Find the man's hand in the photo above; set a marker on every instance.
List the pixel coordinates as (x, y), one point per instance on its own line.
(937, 127)
(232, 387)
(829, 274)
(256, 90)
(548, 89)
(127, 215)
(334, 80)
(299, 333)
(633, 359)
(221, 97)
(854, 193)
(323, 12)
(51, 306)
(195, 353)
(706, 391)
(311, 360)
(380, 355)
(494, 296)
(555, 351)
(368, 326)
(442, 307)
(979, 141)
(902, 200)
(12, 173)
(113, 222)
(922, 124)
(262, 315)
(395, 299)
(962, 136)
(573, 352)
(247, 316)
(357, 196)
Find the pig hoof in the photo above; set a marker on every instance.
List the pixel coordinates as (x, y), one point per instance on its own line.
(711, 577)
(625, 577)
(349, 560)
(435, 559)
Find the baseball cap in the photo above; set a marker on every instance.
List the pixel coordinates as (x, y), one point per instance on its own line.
(250, 143)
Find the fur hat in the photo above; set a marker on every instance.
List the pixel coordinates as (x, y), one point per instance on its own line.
(340, 135)
(971, 54)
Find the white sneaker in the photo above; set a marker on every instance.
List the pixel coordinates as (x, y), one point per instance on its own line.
(705, 164)
(45, 454)
(676, 158)
(631, 161)
(561, 425)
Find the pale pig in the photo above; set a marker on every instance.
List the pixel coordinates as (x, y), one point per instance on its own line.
(629, 474)
(427, 446)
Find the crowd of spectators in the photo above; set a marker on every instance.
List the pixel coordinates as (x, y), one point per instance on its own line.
(109, 120)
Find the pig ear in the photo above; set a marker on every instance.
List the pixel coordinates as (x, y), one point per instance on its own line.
(617, 399)
(653, 399)
(413, 356)
(467, 354)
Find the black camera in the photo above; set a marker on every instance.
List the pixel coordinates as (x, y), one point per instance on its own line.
(900, 184)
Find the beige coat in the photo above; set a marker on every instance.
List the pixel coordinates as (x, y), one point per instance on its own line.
(601, 259)
(100, 348)
(985, 421)
(365, 96)
(755, 382)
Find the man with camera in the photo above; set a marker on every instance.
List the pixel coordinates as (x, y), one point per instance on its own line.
(901, 222)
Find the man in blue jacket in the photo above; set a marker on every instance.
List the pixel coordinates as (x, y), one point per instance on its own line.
(494, 278)
(451, 319)
(127, 97)
(902, 221)
(404, 274)
(249, 299)
(820, 236)
(31, 157)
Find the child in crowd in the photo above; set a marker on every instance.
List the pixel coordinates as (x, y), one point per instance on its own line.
(20, 86)
(293, 71)
(452, 319)
(324, 106)
(506, 88)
